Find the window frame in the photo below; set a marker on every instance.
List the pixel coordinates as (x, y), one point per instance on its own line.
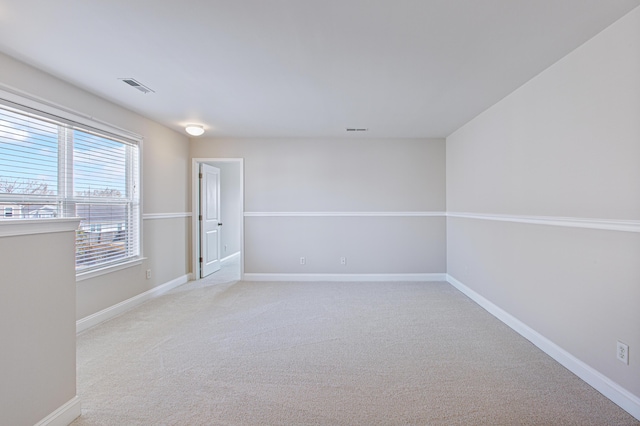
(29, 104)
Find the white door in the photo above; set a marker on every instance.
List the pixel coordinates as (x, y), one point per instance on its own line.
(209, 220)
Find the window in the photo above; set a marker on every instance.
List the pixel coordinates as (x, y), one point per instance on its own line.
(53, 167)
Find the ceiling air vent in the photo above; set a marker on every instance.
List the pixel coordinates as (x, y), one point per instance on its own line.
(137, 85)
(356, 129)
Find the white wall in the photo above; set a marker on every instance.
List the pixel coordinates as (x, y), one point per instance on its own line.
(165, 181)
(566, 144)
(348, 176)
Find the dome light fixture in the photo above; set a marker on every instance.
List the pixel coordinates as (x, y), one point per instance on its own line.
(194, 129)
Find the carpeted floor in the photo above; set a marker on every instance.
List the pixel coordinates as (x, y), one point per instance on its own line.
(224, 352)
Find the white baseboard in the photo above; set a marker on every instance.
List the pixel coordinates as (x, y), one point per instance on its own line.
(230, 257)
(64, 415)
(345, 277)
(616, 393)
(117, 309)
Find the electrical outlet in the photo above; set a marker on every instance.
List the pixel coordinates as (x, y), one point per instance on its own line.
(622, 353)
(225, 248)
(303, 261)
(148, 273)
(343, 260)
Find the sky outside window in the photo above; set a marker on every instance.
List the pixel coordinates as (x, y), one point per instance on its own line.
(28, 155)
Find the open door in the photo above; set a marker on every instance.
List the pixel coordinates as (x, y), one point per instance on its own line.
(209, 220)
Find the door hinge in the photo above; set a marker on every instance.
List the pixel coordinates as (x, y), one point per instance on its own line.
(200, 260)
(200, 218)
(200, 175)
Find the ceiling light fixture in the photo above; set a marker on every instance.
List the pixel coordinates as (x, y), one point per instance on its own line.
(194, 129)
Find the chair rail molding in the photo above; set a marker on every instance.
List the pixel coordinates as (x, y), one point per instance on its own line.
(568, 222)
(346, 214)
(148, 216)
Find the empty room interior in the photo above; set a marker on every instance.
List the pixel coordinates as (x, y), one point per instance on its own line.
(319, 212)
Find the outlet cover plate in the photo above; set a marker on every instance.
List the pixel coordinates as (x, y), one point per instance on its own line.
(622, 353)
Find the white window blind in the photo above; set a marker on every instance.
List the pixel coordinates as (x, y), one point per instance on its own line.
(56, 168)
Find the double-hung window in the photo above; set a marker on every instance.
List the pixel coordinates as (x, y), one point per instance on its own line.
(55, 167)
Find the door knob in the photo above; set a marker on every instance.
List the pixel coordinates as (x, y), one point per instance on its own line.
(219, 224)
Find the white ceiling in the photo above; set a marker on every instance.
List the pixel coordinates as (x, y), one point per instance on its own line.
(303, 68)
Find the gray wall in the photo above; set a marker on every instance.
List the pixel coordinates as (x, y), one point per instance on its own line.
(165, 185)
(37, 325)
(348, 176)
(566, 144)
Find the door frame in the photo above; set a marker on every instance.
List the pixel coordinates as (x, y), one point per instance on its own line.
(195, 208)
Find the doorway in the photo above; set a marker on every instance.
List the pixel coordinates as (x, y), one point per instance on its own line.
(231, 233)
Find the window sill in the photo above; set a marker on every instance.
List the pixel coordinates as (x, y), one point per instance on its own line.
(109, 269)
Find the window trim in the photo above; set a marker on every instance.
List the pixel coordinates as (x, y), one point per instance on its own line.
(21, 100)
(87, 275)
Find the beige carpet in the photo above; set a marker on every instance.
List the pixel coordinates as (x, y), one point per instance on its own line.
(222, 352)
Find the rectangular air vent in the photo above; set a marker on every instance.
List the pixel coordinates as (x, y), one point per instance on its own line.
(137, 85)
